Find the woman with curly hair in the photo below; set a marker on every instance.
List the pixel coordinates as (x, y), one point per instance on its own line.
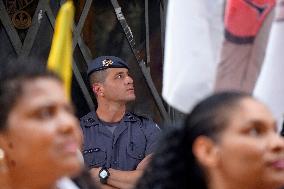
(228, 141)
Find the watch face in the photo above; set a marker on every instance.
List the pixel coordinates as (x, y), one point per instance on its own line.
(103, 174)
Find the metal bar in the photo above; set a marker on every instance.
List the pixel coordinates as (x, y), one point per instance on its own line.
(176, 116)
(148, 55)
(140, 61)
(33, 30)
(158, 100)
(77, 31)
(11, 31)
(80, 25)
(50, 15)
(84, 50)
(75, 69)
(163, 24)
(163, 10)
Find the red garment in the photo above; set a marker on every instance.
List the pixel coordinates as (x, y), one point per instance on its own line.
(243, 19)
(240, 64)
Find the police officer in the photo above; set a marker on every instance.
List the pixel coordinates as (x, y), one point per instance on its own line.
(117, 144)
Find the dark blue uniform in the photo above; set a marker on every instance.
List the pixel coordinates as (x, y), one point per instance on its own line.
(134, 138)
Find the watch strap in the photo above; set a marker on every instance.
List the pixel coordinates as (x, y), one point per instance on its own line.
(104, 180)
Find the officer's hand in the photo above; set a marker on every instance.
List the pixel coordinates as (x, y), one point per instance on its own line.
(144, 163)
(95, 173)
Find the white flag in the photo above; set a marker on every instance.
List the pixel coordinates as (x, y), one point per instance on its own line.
(193, 38)
(269, 87)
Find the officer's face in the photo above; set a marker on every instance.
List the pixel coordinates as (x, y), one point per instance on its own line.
(118, 85)
(251, 152)
(43, 136)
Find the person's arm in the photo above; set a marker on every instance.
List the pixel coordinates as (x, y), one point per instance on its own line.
(128, 179)
(122, 179)
(117, 179)
(94, 173)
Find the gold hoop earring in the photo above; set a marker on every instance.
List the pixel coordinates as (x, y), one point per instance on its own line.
(5, 181)
(2, 159)
(2, 155)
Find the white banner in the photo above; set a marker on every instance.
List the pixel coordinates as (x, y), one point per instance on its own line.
(193, 39)
(269, 87)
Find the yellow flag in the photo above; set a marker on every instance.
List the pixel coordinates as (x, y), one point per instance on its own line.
(61, 55)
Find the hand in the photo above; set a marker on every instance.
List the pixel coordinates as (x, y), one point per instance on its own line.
(95, 173)
(144, 163)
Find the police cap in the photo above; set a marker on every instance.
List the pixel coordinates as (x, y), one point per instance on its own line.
(104, 62)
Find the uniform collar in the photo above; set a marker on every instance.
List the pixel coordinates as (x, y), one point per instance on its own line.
(129, 117)
(92, 119)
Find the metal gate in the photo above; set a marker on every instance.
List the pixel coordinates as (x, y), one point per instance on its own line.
(27, 27)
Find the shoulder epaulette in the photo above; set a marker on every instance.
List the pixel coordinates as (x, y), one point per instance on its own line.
(89, 120)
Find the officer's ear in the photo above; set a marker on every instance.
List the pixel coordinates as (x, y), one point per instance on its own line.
(97, 89)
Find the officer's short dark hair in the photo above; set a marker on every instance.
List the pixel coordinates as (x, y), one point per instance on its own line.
(97, 77)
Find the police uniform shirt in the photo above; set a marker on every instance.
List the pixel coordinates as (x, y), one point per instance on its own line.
(134, 138)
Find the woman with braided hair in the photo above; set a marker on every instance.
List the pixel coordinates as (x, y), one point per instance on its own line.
(228, 141)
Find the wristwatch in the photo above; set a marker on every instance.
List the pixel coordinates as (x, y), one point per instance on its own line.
(103, 175)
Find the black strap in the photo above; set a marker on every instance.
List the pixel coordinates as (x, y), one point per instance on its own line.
(145, 70)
